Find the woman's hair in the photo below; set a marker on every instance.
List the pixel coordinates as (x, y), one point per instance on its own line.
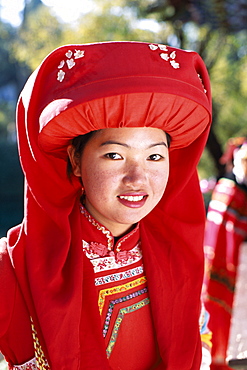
(79, 143)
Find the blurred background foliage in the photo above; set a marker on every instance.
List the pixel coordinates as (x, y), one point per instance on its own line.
(216, 29)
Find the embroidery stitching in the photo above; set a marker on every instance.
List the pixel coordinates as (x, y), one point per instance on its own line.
(119, 320)
(70, 62)
(120, 288)
(116, 301)
(119, 276)
(30, 365)
(110, 239)
(166, 56)
(111, 262)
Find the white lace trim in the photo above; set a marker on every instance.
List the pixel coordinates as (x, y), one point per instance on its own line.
(30, 365)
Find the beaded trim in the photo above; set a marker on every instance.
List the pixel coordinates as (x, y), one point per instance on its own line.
(42, 363)
(117, 301)
(117, 289)
(119, 320)
(119, 276)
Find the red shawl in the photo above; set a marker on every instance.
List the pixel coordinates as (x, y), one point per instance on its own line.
(71, 93)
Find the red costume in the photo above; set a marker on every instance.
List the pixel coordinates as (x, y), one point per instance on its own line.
(226, 230)
(44, 273)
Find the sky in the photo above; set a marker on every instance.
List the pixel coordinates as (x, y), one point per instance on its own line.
(67, 10)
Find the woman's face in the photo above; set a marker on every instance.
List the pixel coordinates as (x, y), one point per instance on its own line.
(124, 172)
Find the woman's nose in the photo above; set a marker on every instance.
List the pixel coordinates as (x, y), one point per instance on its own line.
(135, 175)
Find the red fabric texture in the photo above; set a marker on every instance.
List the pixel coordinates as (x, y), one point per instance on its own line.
(135, 347)
(226, 229)
(54, 278)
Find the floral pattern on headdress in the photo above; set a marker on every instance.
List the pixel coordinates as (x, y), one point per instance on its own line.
(70, 62)
(165, 55)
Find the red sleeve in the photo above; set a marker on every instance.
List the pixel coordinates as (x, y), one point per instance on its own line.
(7, 288)
(15, 329)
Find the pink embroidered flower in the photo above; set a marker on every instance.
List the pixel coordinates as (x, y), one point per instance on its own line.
(122, 256)
(99, 248)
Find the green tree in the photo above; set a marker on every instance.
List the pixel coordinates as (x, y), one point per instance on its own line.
(216, 29)
(39, 35)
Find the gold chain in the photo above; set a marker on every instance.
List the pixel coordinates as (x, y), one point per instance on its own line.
(42, 363)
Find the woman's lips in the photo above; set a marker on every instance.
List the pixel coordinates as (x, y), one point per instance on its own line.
(133, 200)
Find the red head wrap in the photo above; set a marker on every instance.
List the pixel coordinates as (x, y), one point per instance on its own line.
(79, 88)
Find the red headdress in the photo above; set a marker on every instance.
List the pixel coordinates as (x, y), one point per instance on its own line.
(79, 88)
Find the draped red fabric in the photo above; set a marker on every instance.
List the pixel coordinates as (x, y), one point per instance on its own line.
(45, 251)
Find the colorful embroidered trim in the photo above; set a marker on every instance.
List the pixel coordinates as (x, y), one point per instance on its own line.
(117, 301)
(42, 363)
(30, 365)
(110, 262)
(119, 276)
(119, 320)
(118, 289)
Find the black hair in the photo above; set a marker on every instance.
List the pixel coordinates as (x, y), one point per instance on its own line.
(169, 139)
(79, 143)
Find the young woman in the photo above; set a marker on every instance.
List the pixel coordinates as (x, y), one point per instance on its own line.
(105, 270)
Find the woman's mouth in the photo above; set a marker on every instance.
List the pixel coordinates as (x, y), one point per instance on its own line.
(133, 201)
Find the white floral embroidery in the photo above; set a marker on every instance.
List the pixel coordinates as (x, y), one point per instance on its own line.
(69, 54)
(174, 64)
(166, 56)
(70, 62)
(61, 64)
(60, 75)
(111, 261)
(153, 47)
(163, 47)
(30, 365)
(79, 54)
(202, 83)
(173, 55)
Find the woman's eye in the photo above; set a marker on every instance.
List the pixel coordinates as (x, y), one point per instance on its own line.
(155, 157)
(113, 156)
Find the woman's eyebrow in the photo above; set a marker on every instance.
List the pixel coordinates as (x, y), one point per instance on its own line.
(161, 143)
(112, 142)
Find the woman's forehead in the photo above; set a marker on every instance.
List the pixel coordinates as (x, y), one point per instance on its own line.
(135, 136)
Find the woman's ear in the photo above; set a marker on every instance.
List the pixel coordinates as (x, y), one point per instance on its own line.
(74, 160)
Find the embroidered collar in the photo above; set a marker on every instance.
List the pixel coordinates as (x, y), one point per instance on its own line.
(102, 239)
